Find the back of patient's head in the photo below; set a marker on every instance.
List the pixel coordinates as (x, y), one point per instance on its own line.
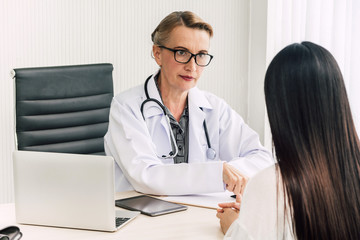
(315, 141)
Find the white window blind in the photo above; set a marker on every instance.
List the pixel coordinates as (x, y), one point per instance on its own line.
(333, 24)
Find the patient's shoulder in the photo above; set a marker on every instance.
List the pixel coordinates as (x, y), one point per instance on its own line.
(266, 178)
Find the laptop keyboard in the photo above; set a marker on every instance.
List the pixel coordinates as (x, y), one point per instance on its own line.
(120, 221)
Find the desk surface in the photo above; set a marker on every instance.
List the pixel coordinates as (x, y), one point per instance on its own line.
(194, 223)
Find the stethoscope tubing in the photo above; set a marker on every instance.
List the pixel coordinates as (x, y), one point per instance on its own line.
(210, 153)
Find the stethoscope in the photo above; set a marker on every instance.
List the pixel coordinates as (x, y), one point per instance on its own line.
(210, 152)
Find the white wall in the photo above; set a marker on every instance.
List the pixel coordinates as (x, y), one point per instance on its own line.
(62, 32)
(257, 65)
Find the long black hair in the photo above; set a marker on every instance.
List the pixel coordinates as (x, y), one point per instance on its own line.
(315, 140)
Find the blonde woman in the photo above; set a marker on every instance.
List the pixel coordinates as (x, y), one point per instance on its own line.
(169, 137)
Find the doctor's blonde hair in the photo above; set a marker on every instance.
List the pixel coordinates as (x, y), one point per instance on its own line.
(175, 19)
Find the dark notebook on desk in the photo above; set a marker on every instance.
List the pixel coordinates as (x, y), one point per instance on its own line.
(149, 205)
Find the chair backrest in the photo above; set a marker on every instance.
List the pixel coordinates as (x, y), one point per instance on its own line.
(63, 109)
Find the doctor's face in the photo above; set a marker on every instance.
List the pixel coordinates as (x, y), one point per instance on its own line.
(176, 76)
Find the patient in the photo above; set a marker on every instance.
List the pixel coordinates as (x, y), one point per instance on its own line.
(313, 192)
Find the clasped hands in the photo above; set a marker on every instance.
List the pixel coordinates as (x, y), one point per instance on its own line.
(228, 213)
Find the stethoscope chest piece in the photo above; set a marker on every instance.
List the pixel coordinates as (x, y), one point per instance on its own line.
(210, 153)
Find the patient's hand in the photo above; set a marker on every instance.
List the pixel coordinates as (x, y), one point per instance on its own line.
(227, 217)
(228, 213)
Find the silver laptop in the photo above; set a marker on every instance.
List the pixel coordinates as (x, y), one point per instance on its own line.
(67, 190)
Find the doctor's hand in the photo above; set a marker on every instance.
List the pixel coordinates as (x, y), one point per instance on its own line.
(234, 180)
(228, 213)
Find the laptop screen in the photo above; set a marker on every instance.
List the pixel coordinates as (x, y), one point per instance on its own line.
(66, 190)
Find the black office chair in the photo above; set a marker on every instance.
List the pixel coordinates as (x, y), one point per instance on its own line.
(63, 109)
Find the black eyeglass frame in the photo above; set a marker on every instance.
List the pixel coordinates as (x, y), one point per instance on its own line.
(192, 55)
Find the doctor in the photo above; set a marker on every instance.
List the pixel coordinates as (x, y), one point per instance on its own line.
(170, 138)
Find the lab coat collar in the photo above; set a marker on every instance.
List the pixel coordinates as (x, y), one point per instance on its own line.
(198, 108)
(196, 100)
(152, 88)
(152, 109)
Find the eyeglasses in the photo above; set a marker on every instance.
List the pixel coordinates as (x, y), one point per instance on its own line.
(184, 56)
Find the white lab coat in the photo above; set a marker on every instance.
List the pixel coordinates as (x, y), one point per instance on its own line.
(135, 144)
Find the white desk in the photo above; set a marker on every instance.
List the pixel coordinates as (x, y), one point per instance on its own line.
(194, 223)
